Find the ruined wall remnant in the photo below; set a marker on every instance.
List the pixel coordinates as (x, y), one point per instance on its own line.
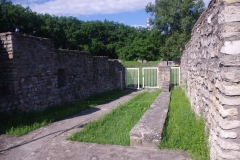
(210, 68)
(34, 75)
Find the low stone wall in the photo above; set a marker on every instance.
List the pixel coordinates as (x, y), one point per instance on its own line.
(210, 68)
(148, 131)
(35, 75)
(164, 74)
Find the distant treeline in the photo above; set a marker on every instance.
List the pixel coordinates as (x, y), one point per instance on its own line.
(107, 38)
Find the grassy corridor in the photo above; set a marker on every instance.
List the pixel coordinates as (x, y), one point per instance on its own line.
(114, 127)
(24, 123)
(183, 129)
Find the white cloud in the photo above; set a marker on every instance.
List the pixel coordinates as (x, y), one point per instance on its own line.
(83, 7)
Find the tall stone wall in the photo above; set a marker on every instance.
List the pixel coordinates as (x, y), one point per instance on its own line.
(210, 68)
(35, 75)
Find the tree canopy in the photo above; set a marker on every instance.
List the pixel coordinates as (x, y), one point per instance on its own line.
(172, 21)
(171, 28)
(100, 38)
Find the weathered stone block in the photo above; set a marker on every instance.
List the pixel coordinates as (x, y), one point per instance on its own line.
(230, 100)
(221, 154)
(229, 14)
(228, 124)
(230, 1)
(226, 134)
(229, 30)
(231, 47)
(228, 145)
(233, 89)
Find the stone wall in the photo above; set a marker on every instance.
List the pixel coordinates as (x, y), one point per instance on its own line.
(34, 75)
(164, 74)
(210, 68)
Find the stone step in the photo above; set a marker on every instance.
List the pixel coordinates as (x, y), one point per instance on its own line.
(165, 87)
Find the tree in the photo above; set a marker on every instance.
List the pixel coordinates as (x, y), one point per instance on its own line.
(100, 38)
(173, 21)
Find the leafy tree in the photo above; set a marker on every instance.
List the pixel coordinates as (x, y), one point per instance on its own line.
(100, 38)
(173, 21)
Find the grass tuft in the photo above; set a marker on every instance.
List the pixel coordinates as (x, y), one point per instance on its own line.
(138, 64)
(114, 127)
(183, 129)
(20, 124)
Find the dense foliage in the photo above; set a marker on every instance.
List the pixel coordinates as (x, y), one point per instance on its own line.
(172, 21)
(99, 38)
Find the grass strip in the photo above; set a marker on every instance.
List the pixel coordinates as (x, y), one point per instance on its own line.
(138, 64)
(20, 124)
(114, 128)
(183, 129)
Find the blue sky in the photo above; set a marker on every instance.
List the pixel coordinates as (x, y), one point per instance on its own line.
(129, 12)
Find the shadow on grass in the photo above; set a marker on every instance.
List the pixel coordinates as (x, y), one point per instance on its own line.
(20, 124)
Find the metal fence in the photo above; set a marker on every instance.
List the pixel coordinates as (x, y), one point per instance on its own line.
(175, 76)
(150, 77)
(132, 78)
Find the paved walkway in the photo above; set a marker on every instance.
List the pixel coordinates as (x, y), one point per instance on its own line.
(49, 142)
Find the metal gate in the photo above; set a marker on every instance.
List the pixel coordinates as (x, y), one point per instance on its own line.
(150, 77)
(132, 78)
(175, 76)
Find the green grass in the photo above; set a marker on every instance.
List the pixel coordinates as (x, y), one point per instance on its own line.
(114, 127)
(183, 129)
(138, 64)
(20, 124)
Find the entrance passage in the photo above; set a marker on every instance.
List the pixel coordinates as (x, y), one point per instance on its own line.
(150, 77)
(132, 78)
(175, 76)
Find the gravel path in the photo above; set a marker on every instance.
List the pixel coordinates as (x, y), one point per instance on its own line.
(49, 142)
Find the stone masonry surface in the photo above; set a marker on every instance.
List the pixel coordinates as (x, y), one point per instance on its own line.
(34, 75)
(147, 132)
(49, 142)
(210, 68)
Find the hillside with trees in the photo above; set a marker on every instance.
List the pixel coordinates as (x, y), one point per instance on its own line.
(167, 38)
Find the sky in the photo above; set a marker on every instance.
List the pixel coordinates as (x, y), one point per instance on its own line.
(128, 12)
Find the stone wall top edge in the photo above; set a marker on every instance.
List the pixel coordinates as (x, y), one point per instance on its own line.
(203, 15)
(65, 51)
(100, 56)
(15, 34)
